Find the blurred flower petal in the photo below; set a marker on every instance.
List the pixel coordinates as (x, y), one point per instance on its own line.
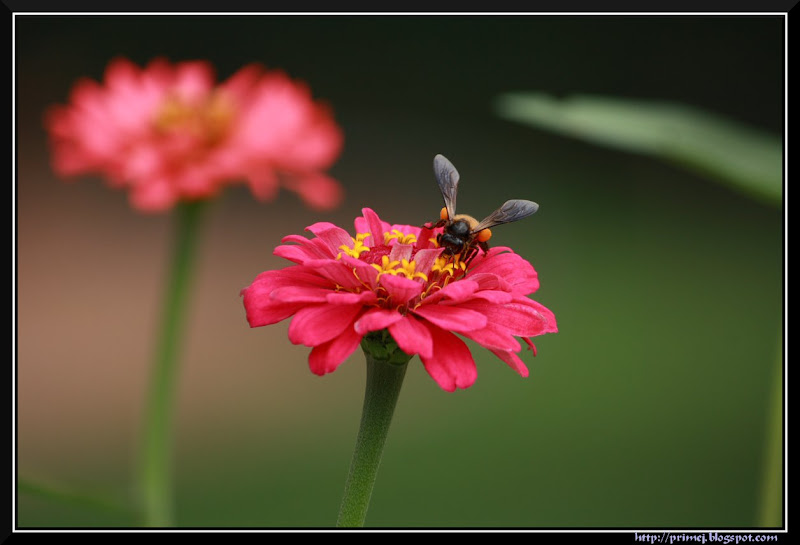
(168, 132)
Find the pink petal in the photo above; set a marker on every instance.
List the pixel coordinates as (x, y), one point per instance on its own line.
(121, 73)
(334, 236)
(265, 314)
(305, 250)
(263, 183)
(318, 191)
(295, 254)
(521, 317)
(316, 324)
(155, 195)
(261, 309)
(194, 80)
(376, 319)
(424, 239)
(241, 83)
(320, 248)
(494, 338)
(326, 357)
(425, 259)
(316, 144)
(412, 336)
(196, 183)
(361, 225)
(451, 364)
(400, 288)
(509, 266)
(259, 304)
(142, 162)
(300, 294)
(530, 344)
(364, 273)
(336, 270)
(376, 227)
(488, 281)
(454, 291)
(546, 317)
(292, 276)
(495, 297)
(513, 361)
(347, 298)
(272, 118)
(451, 318)
(266, 281)
(400, 252)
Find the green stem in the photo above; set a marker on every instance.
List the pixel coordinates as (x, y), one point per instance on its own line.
(384, 380)
(156, 456)
(771, 501)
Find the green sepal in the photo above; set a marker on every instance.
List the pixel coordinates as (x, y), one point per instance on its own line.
(382, 347)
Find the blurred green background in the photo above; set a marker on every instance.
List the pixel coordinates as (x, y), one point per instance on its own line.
(649, 408)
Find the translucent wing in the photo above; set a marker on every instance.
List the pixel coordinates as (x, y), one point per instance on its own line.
(512, 210)
(447, 176)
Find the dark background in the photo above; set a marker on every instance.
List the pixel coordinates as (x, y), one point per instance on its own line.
(649, 408)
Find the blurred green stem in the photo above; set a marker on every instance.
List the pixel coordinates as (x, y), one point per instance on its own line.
(384, 380)
(770, 515)
(156, 454)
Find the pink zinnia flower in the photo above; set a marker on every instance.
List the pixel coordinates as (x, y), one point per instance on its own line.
(395, 278)
(168, 133)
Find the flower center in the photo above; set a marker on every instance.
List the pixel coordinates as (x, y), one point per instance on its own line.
(444, 270)
(206, 121)
(403, 267)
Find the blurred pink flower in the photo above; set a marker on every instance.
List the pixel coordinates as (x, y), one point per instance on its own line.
(168, 133)
(395, 277)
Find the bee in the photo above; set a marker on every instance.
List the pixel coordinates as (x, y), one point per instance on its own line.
(463, 234)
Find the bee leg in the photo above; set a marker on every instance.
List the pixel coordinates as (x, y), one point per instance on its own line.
(436, 225)
(473, 251)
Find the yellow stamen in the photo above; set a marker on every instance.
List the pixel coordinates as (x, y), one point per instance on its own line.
(408, 270)
(358, 246)
(386, 266)
(401, 237)
(442, 265)
(208, 120)
(449, 267)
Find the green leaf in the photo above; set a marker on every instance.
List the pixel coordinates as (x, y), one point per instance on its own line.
(744, 158)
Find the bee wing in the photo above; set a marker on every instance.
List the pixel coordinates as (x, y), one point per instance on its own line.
(447, 177)
(512, 210)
